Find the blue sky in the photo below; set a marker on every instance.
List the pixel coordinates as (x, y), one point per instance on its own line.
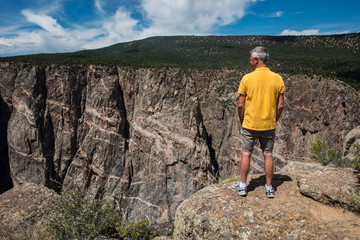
(51, 26)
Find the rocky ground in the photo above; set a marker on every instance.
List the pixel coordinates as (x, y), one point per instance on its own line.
(310, 203)
(307, 204)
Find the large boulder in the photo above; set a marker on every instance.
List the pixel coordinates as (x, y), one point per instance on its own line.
(323, 184)
(351, 141)
(216, 212)
(22, 209)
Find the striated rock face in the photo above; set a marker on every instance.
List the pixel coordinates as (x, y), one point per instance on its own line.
(122, 133)
(148, 138)
(316, 109)
(216, 212)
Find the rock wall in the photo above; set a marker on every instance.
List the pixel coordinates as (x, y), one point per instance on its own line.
(149, 138)
(136, 136)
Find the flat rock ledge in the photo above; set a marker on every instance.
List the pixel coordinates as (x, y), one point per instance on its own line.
(298, 210)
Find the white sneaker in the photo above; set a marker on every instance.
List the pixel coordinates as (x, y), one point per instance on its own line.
(270, 193)
(239, 190)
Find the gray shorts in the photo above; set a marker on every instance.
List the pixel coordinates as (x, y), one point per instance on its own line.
(249, 137)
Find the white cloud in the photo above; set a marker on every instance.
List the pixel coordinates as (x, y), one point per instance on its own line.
(278, 14)
(271, 15)
(99, 5)
(191, 17)
(48, 23)
(153, 18)
(50, 37)
(120, 27)
(288, 32)
(298, 33)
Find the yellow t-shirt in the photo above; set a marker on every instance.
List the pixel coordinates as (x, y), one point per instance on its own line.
(261, 89)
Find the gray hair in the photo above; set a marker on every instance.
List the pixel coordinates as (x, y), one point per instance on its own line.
(261, 53)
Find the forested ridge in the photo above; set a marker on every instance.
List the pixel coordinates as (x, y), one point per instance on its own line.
(331, 56)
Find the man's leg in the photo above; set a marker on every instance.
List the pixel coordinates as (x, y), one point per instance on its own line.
(247, 145)
(269, 167)
(267, 144)
(244, 166)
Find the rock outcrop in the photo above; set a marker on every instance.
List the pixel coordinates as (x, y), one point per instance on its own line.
(148, 138)
(327, 185)
(22, 210)
(351, 142)
(216, 212)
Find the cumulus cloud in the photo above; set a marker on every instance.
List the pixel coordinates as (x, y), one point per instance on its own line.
(299, 33)
(119, 28)
(154, 18)
(189, 16)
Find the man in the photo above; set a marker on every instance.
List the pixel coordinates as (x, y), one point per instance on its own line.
(260, 106)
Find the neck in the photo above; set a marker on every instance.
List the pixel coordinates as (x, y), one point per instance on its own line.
(260, 65)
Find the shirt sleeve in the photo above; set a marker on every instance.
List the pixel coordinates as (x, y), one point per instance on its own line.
(242, 89)
(282, 86)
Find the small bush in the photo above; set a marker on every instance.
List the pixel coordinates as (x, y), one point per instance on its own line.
(322, 153)
(229, 180)
(76, 216)
(138, 231)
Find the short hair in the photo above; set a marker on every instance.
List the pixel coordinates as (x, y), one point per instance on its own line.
(260, 53)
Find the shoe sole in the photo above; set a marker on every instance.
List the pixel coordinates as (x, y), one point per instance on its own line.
(270, 196)
(241, 194)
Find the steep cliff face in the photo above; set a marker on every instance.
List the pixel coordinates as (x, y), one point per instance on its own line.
(136, 136)
(149, 138)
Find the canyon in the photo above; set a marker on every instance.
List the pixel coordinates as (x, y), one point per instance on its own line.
(148, 138)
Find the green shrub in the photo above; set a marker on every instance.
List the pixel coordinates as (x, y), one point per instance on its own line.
(137, 231)
(76, 216)
(229, 180)
(321, 152)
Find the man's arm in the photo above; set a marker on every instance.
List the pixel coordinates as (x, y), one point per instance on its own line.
(241, 107)
(280, 106)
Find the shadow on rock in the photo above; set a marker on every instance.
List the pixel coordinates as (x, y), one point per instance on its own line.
(260, 181)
